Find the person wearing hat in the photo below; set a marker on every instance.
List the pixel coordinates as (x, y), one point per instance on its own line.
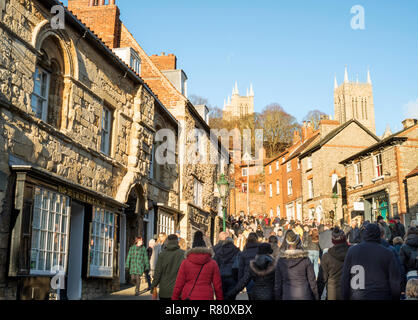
(262, 272)
(332, 263)
(295, 276)
(371, 271)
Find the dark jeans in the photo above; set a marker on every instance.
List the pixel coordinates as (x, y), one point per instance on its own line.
(138, 281)
(227, 285)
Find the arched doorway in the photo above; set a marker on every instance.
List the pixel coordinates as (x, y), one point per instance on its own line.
(135, 215)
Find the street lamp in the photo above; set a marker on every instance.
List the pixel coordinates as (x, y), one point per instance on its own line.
(223, 186)
(335, 201)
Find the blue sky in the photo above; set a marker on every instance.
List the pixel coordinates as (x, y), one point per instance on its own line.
(289, 50)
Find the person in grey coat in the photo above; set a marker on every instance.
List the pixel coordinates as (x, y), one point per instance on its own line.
(295, 276)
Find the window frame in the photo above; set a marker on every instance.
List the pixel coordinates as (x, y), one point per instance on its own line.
(289, 187)
(197, 193)
(106, 148)
(311, 192)
(277, 186)
(309, 163)
(378, 165)
(289, 167)
(65, 209)
(271, 190)
(44, 111)
(358, 173)
(244, 170)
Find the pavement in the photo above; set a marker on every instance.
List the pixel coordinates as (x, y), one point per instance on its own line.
(127, 292)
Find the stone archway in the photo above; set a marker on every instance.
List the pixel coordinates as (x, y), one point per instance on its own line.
(135, 215)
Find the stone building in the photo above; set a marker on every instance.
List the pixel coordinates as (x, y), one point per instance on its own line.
(411, 194)
(199, 205)
(322, 174)
(283, 176)
(381, 179)
(354, 100)
(77, 127)
(239, 106)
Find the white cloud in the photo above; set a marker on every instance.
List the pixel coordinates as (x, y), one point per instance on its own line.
(411, 109)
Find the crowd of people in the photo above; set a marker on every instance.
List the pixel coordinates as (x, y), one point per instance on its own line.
(275, 259)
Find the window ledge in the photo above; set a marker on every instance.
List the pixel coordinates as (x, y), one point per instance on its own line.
(378, 178)
(309, 169)
(360, 185)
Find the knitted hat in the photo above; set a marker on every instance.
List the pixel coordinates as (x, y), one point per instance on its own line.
(292, 238)
(338, 236)
(264, 248)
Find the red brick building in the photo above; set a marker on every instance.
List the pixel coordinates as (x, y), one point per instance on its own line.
(283, 177)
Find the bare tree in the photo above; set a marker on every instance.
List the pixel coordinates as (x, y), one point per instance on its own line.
(278, 128)
(314, 116)
(198, 100)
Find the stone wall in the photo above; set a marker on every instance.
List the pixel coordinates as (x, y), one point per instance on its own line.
(72, 149)
(325, 162)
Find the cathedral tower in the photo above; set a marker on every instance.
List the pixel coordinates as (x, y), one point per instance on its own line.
(239, 106)
(354, 100)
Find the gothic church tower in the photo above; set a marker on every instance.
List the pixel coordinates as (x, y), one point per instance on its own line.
(354, 100)
(239, 106)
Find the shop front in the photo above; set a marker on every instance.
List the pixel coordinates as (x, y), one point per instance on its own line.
(377, 204)
(64, 239)
(199, 220)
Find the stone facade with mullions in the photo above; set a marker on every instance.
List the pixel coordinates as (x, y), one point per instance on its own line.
(61, 148)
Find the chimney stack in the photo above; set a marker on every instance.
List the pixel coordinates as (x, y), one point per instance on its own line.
(407, 123)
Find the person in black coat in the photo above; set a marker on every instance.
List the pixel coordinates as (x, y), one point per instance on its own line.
(409, 252)
(373, 270)
(400, 226)
(262, 272)
(295, 276)
(245, 257)
(225, 254)
(353, 234)
(332, 266)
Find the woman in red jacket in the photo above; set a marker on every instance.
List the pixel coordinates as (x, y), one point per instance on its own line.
(199, 277)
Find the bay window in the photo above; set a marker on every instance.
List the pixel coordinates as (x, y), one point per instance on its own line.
(50, 230)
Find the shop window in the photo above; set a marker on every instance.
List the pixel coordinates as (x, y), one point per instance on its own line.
(102, 243)
(50, 228)
(106, 130)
